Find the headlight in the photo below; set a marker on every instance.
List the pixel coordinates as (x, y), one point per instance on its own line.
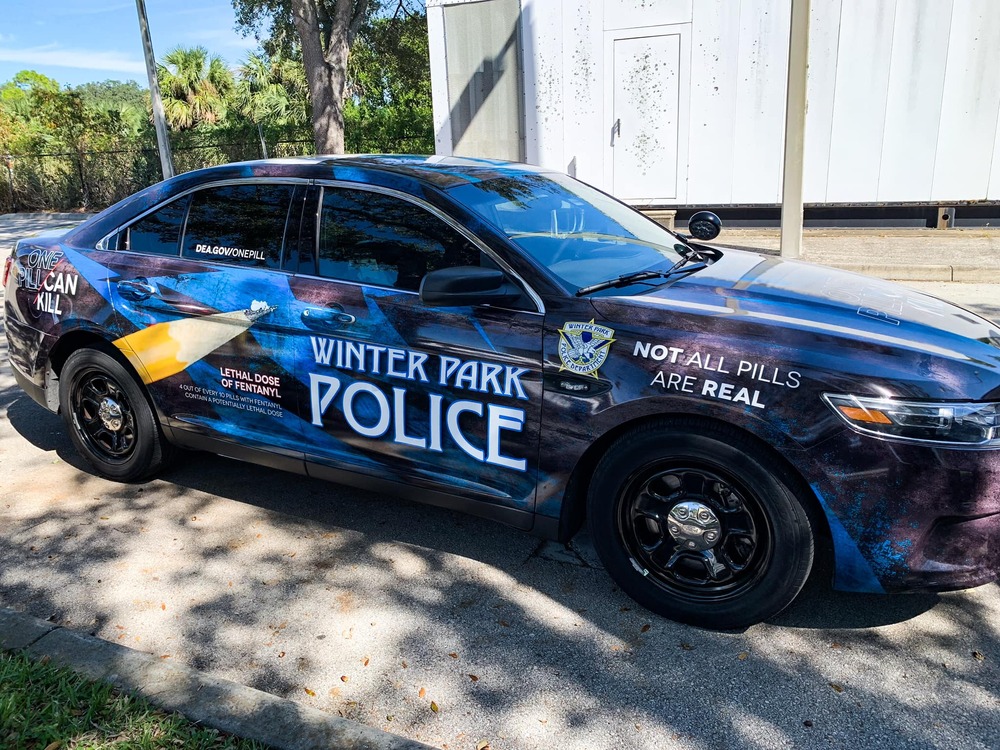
(968, 425)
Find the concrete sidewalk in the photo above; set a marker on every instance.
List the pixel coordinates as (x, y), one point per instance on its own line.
(967, 255)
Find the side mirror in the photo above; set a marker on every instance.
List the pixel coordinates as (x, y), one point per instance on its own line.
(704, 226)
(467, 285)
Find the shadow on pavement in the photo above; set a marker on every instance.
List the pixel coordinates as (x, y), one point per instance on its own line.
(350, 602)
(371, 607)
(383, 519)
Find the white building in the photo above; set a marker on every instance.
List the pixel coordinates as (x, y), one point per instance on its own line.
(681, 102)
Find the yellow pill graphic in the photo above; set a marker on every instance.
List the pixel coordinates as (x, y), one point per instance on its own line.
(165, 349)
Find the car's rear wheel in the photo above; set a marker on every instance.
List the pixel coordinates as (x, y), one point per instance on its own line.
(699, 523)
(110, 420)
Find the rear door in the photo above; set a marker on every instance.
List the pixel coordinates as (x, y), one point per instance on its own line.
(443, 398)
(202, 302)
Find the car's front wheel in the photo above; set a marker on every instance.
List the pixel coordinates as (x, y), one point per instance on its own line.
(110, 421)
(697, 522)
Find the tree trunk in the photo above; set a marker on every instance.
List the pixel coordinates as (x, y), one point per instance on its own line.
(326, 65)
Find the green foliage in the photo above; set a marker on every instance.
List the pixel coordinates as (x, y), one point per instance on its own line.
(195, 87)
(272, 89)
(125, 103)
(270, 21)
(91, 145)
(42, 706)
(388, 105)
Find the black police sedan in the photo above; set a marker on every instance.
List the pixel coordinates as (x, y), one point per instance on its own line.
(513, 343)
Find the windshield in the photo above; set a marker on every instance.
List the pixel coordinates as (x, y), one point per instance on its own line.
(581, 235)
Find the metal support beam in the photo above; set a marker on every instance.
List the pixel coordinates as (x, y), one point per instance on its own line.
(946, 217)
(159, 121)
(795, 131)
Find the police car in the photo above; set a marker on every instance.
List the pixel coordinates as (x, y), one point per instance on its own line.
(510, 342)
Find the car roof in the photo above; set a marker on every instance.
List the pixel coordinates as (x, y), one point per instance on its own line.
(440, 171)
(400, 171)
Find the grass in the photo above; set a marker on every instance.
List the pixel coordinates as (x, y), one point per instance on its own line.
(43, 707)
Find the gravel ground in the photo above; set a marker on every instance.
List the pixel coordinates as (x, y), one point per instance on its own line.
(451, 630)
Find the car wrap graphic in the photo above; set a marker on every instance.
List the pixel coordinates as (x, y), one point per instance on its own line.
(507, 406)
(165, 349)
(583, 347)
(261, 371)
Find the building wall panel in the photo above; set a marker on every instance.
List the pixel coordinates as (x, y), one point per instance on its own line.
(630, 14)
(971, 103)
(993, 190)
(715, 30)
(542, 37)
(824, 43)
(583, 91)
(758, 141)
(903, 95)
(913, 100)
(859, 110)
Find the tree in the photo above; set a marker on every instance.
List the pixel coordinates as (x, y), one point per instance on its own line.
(16, 95)
(123, 102)
(272, 89)
(322, 32)
(388, 100)
(195, 87)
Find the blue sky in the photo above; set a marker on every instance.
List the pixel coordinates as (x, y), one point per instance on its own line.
(76, 41)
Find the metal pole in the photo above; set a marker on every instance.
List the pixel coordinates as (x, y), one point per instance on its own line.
(263, 143)
(10, 181)
(795, 131)
(159, 121)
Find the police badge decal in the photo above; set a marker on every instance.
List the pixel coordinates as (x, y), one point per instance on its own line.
(583, 347)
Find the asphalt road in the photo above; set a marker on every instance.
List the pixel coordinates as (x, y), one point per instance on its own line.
(381, 610)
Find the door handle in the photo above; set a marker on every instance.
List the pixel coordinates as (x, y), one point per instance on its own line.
(616, 130)
(137, 289)
(331, 318)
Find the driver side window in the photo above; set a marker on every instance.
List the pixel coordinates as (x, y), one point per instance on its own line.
(377, 239)
(372, 238)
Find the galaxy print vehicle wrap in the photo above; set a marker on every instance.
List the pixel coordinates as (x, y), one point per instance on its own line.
(510, 342)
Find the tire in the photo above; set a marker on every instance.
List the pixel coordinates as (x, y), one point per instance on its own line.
(109, 417)
(699, 523)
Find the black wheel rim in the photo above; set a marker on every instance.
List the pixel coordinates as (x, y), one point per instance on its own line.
(103, 416)
(695, 530)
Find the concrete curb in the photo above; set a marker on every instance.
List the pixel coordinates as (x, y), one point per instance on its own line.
(965, 274)
(892, 272)
(211, 701)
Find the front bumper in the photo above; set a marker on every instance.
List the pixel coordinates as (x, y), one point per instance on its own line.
(909, 517)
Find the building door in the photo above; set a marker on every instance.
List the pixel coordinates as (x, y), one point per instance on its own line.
(648, 115)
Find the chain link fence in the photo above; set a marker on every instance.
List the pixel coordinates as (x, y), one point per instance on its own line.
(93, 180)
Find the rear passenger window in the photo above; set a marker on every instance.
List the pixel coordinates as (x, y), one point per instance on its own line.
(371, 238)
(160, 232)
(240, 224)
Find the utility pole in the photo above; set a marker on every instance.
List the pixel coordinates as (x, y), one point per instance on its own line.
(159, 121)
(795, 131)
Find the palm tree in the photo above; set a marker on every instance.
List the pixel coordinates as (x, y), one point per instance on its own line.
(195, 87)
(272, 90)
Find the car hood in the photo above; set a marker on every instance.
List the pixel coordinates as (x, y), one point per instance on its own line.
(784, 294)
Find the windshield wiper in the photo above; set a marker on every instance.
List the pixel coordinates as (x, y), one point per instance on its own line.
(682, 267)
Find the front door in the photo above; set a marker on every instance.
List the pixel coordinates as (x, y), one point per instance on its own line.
(443, 398)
